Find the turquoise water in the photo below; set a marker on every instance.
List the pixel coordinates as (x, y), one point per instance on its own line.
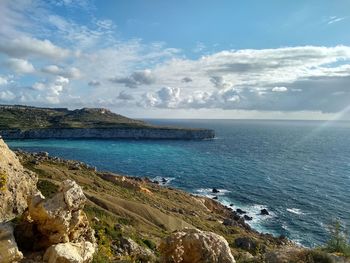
(298, 170)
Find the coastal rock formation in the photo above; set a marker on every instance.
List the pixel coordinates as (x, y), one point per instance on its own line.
(58, 225)
(16, 184)
(195, 246)
(109, 133)
(60, 219)
(8, 248)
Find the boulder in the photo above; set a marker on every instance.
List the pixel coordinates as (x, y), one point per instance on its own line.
(8, 248)
(60, 219)
(215, 191)
(70, 253)
(195, 246)
(130, 248)
(264, 212)
(246, 243)
(248, 218)
(240, 211)
(16, 184)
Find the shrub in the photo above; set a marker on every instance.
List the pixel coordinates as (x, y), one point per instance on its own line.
(47, 188)
(339, 240)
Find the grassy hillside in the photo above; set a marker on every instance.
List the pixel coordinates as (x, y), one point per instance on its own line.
(140, 209)
(24, 118)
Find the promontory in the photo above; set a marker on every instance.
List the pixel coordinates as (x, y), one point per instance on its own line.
(26, 122)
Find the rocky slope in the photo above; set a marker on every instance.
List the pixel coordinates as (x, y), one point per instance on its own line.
(22, 122)
(129, 219)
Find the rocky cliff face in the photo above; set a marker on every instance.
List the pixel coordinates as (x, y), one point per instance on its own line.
(16, 184)
(56, 229)
(110, 133)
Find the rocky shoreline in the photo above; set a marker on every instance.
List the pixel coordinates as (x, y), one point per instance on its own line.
(154, 133)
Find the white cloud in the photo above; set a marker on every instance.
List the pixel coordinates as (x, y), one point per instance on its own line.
(94, 83)
(279, 89)
(20, 66)
(25, 46)
(70, 72)
(6, 95)
(136, 79)
(3, 81)
(334, 19)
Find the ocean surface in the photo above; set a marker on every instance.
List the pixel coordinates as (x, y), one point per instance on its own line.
(298, 170)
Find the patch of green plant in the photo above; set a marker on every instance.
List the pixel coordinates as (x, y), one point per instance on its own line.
(47, 188)
(150, 244)
(339, 240)
(3, 181)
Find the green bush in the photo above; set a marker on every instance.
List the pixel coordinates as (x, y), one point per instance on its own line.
(339, 240)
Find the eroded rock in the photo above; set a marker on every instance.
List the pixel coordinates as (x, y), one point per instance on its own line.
(16, 184)
(195, 246)
(8, 248)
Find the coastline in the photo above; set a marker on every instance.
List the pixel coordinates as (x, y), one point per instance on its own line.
(153, 133)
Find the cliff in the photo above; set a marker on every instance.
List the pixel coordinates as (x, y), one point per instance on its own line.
(23, 122)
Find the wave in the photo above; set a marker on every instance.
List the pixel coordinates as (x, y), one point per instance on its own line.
(163, 180)
(296, 211)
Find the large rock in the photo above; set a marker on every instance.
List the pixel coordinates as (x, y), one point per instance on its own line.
(195, 246)
(60, 219)
(16, 184)
(128, 247)
(70, 253)
(8, 248)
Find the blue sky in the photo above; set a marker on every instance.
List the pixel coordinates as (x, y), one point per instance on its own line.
(179, 59)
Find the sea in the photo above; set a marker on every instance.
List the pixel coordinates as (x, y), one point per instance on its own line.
(298, 170)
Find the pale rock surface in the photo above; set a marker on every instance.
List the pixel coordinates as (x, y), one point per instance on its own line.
(70, 253)
(8, 248)
(195, 246)
(16, 184)
(60, 218)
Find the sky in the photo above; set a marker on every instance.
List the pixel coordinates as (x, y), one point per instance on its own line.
(206, 59)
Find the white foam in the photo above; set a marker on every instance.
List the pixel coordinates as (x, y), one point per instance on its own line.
(209, 192)
(160, 180)
(295, 211)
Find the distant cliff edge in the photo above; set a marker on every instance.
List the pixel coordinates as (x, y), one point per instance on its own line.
(24, 122)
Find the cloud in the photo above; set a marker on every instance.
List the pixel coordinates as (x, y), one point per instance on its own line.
(94, 83)
(71, 72)
(165, 97)
(279, 89)
(125, 96)
(219, 82)
(186, 79)
(334, 19)
(20, 66)
(7, 95)
(136, 79)
(25, 46)
(3, 81)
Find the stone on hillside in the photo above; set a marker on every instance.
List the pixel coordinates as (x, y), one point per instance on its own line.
(8, 248)
(128, 247)
(192, 245)
(246, 243)
(70, 253)
(16, 184)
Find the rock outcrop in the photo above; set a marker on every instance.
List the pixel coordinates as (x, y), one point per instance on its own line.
(57, 225)
(16, 184)
(8, 248)
(195, 246)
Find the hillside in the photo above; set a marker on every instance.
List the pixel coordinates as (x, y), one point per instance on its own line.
(23, 122)
(25, 117)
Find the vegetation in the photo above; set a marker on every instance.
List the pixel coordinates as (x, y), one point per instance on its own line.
(24, 118)
(339, 240)
(3, 180)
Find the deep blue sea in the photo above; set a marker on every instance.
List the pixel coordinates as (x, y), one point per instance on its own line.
(298, 170)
